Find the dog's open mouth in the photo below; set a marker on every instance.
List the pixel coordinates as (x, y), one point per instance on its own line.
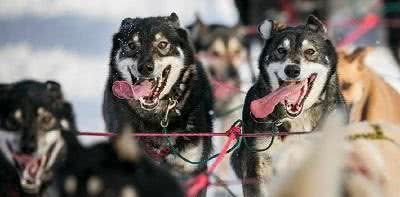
(292, 94)
(35, 168)
(145, 90)
(294, 103)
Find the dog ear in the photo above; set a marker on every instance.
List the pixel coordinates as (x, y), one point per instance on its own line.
(54, 90)
(127, 24)
(359, 54)
(173, 20)
(197, 29)
(126, 147)
(315, 25)
(266, 28)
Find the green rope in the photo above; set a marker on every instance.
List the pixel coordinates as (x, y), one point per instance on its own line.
(238, 143)
(204, 161)
(254, 150)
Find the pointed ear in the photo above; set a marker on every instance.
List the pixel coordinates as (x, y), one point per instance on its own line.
(126, 147)
(173, 20)
(315, 25)
(198, 28)
(54, 89)
(266, 28)
(359, 55)
(126, 25)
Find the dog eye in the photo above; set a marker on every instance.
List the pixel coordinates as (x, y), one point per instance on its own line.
(162, 45)
(281, 50)
(132, 45)
(215, 54)
(309, 52)
(346, 85)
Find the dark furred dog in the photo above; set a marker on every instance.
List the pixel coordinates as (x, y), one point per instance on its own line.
(41, 156)
(116, 168)
(297, 88)
(154, 80)
(30, 110)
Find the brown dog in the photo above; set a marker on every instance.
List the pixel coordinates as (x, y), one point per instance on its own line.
(368, 95)
(358, 160)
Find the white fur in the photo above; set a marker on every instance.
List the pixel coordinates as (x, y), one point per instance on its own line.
(136, 38)
(94, 186)
(128, 191)
(65, 124)
(327, 60)
(18, 115)
(307, 68)
(123, 64)
(8, 137)
(192, 153)
(286, 43)
(176, 63)
(71, 185)
(265, 29)
(306, 44)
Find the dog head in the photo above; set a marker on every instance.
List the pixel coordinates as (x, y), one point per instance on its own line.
(116, 168)
(32, 117)
(151, 54)
(301, 57)
(221, 49)
(351, 69)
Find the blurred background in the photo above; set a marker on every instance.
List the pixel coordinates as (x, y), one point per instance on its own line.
(69, 40)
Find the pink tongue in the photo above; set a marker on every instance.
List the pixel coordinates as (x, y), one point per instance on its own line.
(124, 90)
(223, 90)
(262, 107)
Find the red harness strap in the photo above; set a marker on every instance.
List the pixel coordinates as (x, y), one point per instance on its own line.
(201, 181)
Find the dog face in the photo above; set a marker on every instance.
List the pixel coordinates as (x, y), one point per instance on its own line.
(32, 117)
(221, 49)
(151, 53)
(351, 74)
(295, 55)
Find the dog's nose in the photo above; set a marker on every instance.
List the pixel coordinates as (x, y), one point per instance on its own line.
(292, 71)
(146, 69)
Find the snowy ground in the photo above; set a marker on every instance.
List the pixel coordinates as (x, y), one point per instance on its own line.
(69, 41)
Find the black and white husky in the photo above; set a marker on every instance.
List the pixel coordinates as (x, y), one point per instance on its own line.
(296, 89)
(154, 82)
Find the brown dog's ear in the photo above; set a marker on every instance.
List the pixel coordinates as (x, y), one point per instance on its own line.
(359, 54)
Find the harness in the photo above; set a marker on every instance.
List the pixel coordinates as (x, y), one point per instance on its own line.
(157, 153)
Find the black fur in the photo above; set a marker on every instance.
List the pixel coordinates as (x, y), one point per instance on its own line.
(194, 102)
(248, 164)
(393, 31)
(27, 96)
(102, 162)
